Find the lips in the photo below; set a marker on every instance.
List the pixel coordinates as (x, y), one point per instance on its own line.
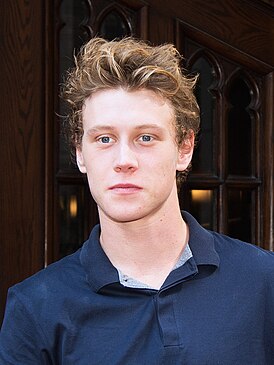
(125, 188)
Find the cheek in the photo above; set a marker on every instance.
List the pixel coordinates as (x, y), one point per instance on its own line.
(95, 173)
(93, 164)
(162, 175)
(167, 166)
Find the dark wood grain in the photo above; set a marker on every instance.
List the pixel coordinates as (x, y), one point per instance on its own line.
(236, 22)
(161, 28)
(22, 141)
(240, 30)
(268, 163)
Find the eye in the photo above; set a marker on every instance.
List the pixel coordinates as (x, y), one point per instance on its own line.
(146, 138)
(105, 139)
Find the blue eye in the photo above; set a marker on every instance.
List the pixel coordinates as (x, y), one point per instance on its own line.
(104, 139)
(146, 138)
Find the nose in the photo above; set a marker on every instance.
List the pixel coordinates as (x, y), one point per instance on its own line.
(125, 159)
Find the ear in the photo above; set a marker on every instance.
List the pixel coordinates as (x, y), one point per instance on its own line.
(185, 151)
(80, 160)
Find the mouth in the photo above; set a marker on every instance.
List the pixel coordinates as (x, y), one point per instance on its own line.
(125, 188)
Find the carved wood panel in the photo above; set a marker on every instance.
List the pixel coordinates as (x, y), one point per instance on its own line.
(235, 38)
(22, 142)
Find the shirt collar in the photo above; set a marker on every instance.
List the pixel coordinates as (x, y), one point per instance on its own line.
(201, 242)
(100, 271)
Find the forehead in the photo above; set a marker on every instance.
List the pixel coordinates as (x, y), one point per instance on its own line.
(119, 107)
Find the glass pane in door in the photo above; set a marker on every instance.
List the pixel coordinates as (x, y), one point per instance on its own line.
(114, 26)
(202, 206)
(71, 218)
(203, 159)
(239, 129)
(240, 214)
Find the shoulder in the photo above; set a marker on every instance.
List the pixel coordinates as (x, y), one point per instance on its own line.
(229, 244)
(50, 283)
(243, 256)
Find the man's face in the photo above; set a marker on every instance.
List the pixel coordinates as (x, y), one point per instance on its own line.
(130, 155)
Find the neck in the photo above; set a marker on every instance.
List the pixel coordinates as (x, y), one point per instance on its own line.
(147, 249)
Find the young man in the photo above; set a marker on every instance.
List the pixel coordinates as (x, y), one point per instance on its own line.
(150, 286)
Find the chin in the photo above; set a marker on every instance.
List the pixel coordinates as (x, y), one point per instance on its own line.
(126, 218)
(123, 216)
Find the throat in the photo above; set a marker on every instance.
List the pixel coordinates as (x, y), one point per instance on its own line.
(153, 280)
(145, 254)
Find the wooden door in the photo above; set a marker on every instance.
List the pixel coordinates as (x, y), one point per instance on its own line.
(46, 208)
(22, 133)
(230, 186)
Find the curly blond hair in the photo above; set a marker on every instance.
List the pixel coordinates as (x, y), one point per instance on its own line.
(131, 64)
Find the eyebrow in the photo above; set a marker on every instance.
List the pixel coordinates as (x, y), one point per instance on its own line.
(149, 126)
(106, 127)
(100, 128)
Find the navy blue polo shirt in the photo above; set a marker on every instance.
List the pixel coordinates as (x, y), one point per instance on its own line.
(218, 308)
